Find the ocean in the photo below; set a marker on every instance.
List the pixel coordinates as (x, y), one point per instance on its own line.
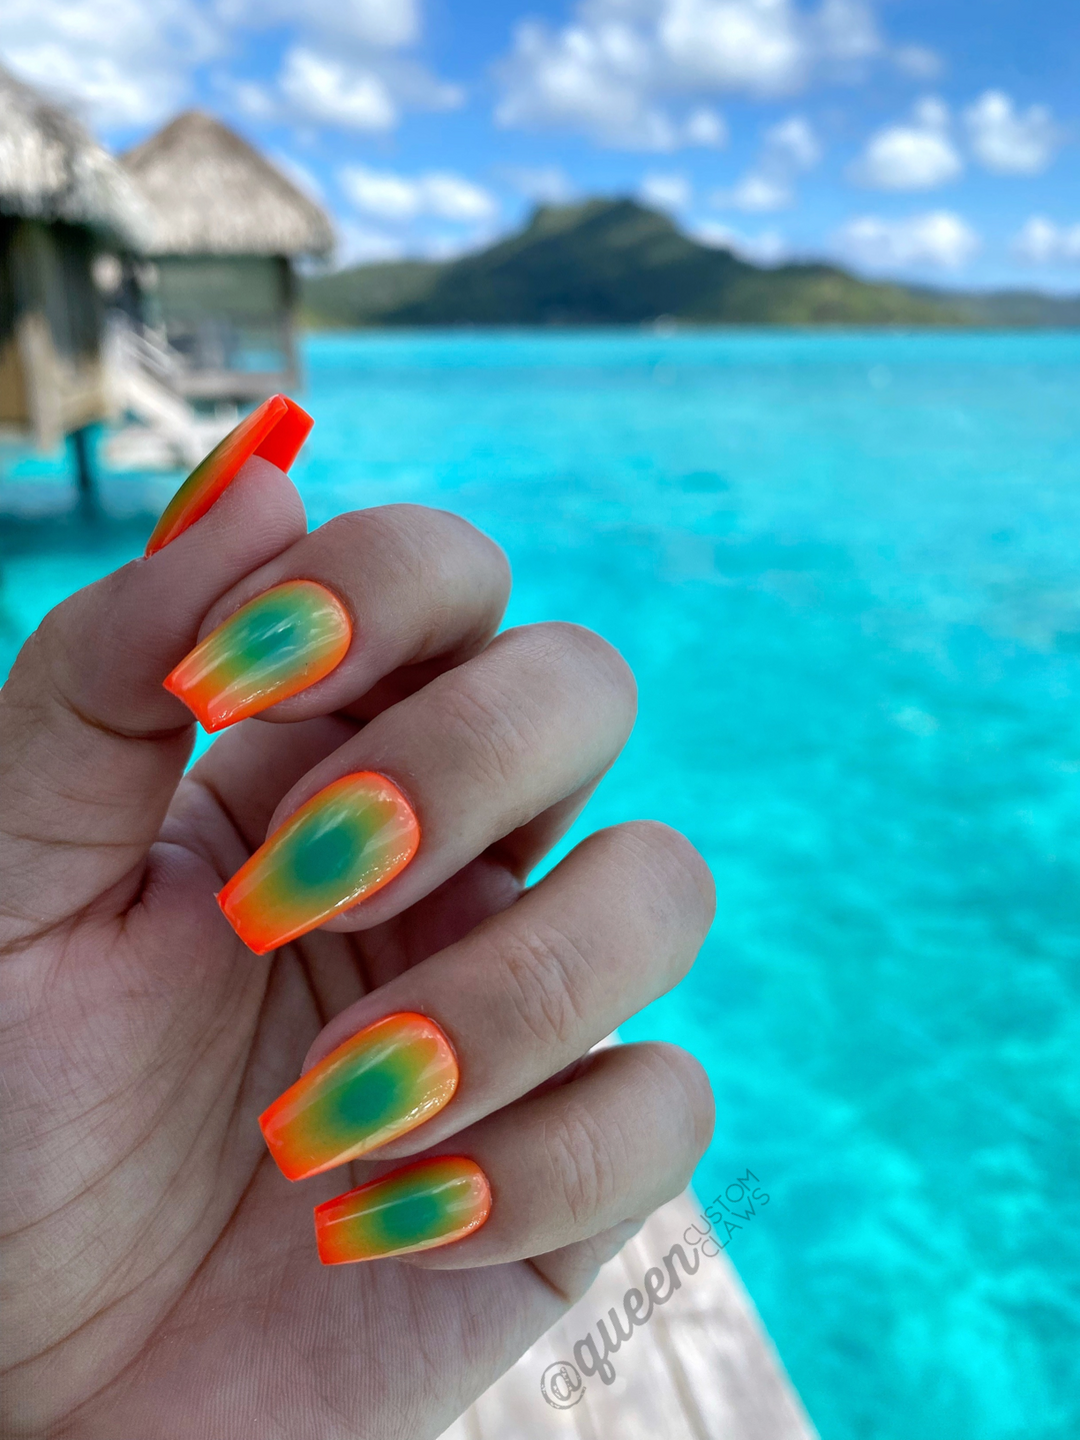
(846, 570)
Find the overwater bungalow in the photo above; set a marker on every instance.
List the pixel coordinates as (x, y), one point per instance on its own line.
(227, 229)
(63, 201)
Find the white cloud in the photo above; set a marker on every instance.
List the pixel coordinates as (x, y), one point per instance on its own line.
(789, 147)
(916, 156)
(705, 127)
(546, 184)
(400, 199)
(940, 239)
(666, 192)
(756, 194)
(333, 91)
(131, 63)
(452, 197)
(123, 62)
(793, 142)
(252, 99)
(1041, 242)
(768, 247)
(391, 197)
(588, 77)
(300, 175)
(616, 71)
(1008, 142)
(363, 245)
(751, 45)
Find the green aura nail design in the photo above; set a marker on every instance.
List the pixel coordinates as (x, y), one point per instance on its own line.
(383, 1082)
(276, 645)
(430, 1203)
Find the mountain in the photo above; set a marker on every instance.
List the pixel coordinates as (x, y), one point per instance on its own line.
(611, 262)
(1018, 309)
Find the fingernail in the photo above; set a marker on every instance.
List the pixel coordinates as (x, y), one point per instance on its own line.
(275, 430)
(418, 1207)
(348, 841)
(277, 644)
(384, 1082)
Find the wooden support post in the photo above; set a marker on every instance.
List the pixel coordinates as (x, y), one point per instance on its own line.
(84, 470)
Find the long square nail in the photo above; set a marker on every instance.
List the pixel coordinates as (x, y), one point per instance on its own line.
(429, 1203)
(275, 430)
(383, 1082)
(348, 841)
(274, 646)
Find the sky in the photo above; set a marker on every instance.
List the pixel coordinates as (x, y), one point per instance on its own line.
(931, 140)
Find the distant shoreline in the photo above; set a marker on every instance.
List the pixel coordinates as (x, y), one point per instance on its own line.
(616, 264)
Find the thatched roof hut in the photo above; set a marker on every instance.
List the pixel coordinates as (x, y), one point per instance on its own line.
(61, 199)
(52, 169)
(211, 193)
(226, 228)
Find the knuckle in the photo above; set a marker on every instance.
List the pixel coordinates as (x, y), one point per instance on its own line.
(433, 537)
(546, 976)
(583, 1170)
(487, 734)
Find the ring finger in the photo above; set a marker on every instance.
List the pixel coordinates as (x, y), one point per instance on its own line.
(617, 1140)
(500, 1012)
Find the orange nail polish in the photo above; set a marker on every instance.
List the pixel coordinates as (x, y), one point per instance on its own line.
(278, 644)
(348, 841)
(383, 1082)
(430, 1203)
(275, 431)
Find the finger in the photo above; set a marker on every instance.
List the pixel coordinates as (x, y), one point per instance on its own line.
(469, 759)
(343, 609)
(488, 1019)
(612, 1144)
(91, 746)
(242, 777)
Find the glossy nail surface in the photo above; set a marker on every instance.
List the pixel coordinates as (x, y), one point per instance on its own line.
(382, 1083)
(417, 1208)
(279, 643)
(275, 430)
(348, 841)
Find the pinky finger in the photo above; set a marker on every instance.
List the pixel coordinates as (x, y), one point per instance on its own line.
(610, 1145)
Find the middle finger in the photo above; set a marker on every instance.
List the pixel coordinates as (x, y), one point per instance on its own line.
(435, 781)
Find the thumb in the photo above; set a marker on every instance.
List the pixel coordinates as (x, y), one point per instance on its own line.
(91, 745)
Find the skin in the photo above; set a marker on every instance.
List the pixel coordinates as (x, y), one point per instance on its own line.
(159, 1274)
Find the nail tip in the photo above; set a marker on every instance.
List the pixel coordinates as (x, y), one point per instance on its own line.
(224, 897)
(253, 872)
(176, 688)
(262, 438)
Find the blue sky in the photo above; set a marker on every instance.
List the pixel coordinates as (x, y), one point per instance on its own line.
(935, 140)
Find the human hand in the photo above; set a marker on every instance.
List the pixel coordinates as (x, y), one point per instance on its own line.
(161, 1277)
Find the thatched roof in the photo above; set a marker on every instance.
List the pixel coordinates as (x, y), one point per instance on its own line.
(51, 168)
(211, 193)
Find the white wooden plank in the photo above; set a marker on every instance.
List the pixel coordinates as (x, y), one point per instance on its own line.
(700, 1369)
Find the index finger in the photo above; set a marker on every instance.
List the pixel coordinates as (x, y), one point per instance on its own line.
(91, 745)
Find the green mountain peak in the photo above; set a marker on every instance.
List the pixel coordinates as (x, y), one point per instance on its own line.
(616, 262)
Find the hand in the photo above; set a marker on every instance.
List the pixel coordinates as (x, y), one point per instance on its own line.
(161, 1274)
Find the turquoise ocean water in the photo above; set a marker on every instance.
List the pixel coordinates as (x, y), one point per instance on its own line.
(846, 569)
